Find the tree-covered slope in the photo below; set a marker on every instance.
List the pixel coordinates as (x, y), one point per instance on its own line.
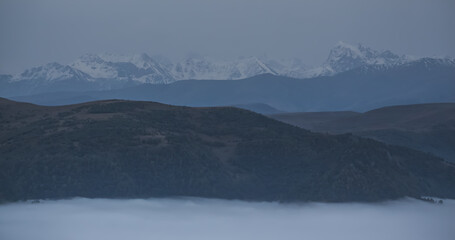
(125, 149)
(424, 127)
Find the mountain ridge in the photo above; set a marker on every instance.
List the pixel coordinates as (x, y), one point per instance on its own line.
(128, 149)
(110, 71)
(425, 127)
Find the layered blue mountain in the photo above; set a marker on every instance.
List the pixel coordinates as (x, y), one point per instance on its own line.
(364, 88)
(352, 78)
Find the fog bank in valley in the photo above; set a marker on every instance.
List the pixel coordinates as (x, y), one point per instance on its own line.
(220, 219)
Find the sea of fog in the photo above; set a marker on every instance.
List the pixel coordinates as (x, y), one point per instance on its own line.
(191, 218)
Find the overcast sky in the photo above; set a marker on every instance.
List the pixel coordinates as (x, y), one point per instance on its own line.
(36, 32)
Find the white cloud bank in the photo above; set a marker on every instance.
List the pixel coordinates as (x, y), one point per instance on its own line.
(218, 219)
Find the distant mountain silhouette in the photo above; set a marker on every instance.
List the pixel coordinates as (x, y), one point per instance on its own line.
(424, 127)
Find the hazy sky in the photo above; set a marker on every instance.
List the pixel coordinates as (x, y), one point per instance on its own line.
(36, 32)
(205, 219)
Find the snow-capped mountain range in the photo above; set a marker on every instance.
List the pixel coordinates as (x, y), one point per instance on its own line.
(52, 72)
(145, 69)
(344, 57)
(108, 71)
(138, 68)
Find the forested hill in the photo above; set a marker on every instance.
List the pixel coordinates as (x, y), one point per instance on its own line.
(424, 127)
(127, 149)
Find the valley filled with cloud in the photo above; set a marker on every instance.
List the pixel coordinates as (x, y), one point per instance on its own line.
(193, 218)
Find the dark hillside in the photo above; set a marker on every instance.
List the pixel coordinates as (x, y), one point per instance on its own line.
(424, 127)
(126, 149)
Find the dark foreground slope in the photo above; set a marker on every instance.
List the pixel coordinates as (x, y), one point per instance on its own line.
(424, 127)
(123, 149)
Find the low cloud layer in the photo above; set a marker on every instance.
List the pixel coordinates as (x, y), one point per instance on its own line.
(219, 219)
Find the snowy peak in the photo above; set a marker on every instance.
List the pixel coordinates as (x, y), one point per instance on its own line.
(292, 67)
(344, 57)
(95, 66)
(137, 68)
(420, 65)
(198, 67)
(432, 63)
(248, 67)
(193, 67)
(52, 72)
